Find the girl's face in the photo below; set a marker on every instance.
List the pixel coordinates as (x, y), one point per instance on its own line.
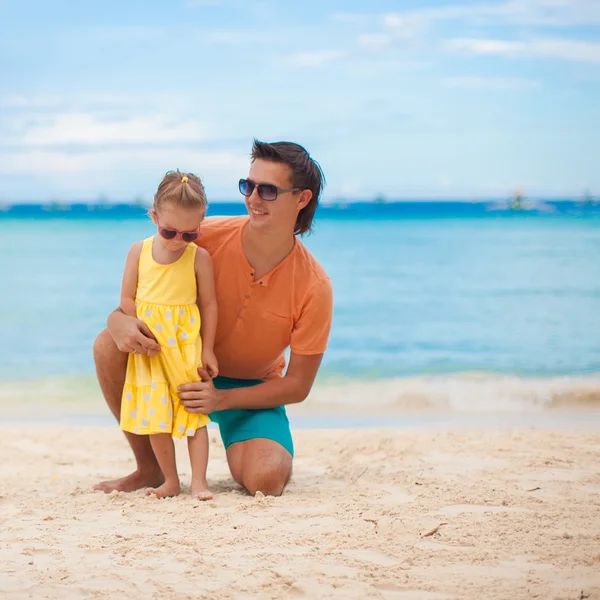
(185, 222)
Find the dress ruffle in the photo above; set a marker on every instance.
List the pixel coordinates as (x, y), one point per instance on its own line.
(150, 403)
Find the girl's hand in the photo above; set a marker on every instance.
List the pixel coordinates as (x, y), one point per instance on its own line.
(209, 361)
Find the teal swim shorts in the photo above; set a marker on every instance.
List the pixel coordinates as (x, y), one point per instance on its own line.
(239, 425)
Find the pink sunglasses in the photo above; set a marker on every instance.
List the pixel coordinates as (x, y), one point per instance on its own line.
(173, 234)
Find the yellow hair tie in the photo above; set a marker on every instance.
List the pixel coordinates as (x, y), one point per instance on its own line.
(184, 179)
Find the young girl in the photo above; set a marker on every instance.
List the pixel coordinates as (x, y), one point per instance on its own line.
(169, 283)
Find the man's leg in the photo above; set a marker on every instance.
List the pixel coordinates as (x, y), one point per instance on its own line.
(111, 365)
(260, 465)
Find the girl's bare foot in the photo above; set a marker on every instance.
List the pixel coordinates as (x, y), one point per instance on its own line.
(200, 490)
(135, 481)
(166, 490)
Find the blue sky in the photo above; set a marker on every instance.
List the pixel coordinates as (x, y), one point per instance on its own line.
(406, 99)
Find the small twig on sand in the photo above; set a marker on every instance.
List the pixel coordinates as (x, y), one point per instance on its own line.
(359, 476)
(534, 489)
(432, 531)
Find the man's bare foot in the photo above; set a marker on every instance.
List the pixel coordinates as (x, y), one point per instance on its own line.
(200, 490)
(129, 483)
(166, 490)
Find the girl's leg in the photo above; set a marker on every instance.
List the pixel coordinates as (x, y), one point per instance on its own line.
(164, 450)
(198, 449)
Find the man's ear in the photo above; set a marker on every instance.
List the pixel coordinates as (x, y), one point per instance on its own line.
(304, 198)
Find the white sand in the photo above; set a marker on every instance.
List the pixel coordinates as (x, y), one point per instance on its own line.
(520, 507)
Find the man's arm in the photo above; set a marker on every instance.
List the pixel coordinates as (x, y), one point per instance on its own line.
(207, 297)
(202, 397)
(129, 333)
(308, 343)
(292, 388)
(130, 279)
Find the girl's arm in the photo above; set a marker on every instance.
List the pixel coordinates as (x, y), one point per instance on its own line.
(130, 279)
(207, 298)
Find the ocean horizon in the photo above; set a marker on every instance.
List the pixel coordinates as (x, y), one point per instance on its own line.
(455, 304)
(374, 208)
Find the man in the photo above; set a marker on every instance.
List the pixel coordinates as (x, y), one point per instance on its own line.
(272, 295)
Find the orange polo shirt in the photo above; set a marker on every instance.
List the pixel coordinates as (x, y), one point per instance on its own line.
(291, 306)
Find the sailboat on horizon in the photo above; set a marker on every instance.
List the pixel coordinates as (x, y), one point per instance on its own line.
(519, 202)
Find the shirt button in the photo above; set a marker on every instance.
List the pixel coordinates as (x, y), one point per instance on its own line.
(251, 274)
(244, 307)
(261, 283)
(239, 316)
(247, 297)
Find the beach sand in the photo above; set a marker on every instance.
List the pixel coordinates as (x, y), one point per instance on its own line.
(411, 513)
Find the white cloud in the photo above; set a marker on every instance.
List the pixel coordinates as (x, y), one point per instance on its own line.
(396, 28)
(486, 46)
(20, 101)
(84, 175)
(542, 13)
(89, 129)
(410, 25)
(499, 84)
(567, 49)
(564, 49)
(511, 12)
(119, 159)
(405, 27)
(375, 67)
(91, 102)
(235, 37)
(313, 59)
(352, 18)
(130, 34)
(375, 40)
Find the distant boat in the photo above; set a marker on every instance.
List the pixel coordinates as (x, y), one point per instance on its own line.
(379, 199)
(588, 199)
(139, 201)
(518, 203)
(102, 203)
(56, 206)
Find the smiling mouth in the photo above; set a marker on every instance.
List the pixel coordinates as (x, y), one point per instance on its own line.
(258, 212)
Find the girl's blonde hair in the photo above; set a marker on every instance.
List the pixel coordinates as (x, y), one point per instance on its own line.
(183, 189)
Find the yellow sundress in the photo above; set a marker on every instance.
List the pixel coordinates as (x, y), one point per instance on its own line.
(166, 302)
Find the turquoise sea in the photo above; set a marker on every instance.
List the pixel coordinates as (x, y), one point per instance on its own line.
(424, 292)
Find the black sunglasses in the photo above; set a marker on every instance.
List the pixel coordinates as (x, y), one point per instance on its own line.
(267, 191)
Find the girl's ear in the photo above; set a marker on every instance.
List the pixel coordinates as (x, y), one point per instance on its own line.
(152, 215)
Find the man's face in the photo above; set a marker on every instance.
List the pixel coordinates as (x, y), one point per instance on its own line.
(278, 214)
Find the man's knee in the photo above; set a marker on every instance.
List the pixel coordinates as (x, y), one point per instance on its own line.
(270, 483)
(260, 465)
(103, 345)
(111, 365)
(106, 353)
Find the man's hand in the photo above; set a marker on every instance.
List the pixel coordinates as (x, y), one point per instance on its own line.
(132, 335)
(200, 397)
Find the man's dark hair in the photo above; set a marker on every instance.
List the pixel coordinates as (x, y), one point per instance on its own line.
(306, 174)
